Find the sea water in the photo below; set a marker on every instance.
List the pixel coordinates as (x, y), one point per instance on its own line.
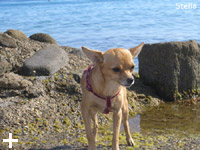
(104, 24)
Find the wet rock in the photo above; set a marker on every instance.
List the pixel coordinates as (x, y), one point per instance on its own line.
(46, 61)
(170, 67)
(13, 81)
(43, 37)
(7, 41)
(17, 34)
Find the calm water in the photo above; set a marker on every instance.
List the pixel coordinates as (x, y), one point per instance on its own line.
(170, 117)
(102, 24)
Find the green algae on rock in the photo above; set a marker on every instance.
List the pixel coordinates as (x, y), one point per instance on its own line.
(17, 34)
(43, 37)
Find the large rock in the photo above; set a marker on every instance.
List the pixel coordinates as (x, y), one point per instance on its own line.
(13, 81)
(170, 67)
(46, 61)
(42, 37)
(7, 41)
(17, 34)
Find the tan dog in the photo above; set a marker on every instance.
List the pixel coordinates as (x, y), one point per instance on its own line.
(104, 90)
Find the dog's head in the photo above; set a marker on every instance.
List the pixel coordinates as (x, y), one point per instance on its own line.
(116, 64)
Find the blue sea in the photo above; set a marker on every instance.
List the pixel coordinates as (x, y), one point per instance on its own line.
(104, 24)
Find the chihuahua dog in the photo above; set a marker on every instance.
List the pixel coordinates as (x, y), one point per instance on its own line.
(103, 86)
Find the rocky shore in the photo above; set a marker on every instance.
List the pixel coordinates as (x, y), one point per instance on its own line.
(43, 112)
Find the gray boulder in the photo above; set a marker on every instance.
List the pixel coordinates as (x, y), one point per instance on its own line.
(7, 41)
(17, 34)
(46, 61)
(43, 37)
(170, 67)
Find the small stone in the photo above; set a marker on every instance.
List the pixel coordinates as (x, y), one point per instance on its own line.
(43, 37)
(7, 41)
(46, 61)
(17, 34)
(78, 53)
(35, 91)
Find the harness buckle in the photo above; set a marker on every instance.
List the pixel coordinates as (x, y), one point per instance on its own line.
(89, 88)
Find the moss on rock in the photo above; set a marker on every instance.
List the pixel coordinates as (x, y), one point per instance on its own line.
(17, 34)
(43, 37)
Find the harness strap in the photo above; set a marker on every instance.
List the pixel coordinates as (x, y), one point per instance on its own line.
(89, 88)
(108, 105)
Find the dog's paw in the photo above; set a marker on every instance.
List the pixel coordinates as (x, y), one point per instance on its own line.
(92, 148)
(130, 142)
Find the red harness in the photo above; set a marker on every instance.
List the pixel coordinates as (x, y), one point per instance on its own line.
(89, 88)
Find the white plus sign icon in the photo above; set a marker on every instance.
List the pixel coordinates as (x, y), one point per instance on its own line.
(10, 140)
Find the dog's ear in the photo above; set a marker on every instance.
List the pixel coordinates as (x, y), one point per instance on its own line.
(135, 51)
(94, 55)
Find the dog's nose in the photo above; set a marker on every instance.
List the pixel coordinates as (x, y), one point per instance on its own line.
(130, 80)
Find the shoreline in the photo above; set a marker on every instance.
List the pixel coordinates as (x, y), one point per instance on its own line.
(44, 112)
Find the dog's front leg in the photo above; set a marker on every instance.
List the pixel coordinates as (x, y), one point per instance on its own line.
(95, 123)
(117, 117)
(125, 113)
(87, 121)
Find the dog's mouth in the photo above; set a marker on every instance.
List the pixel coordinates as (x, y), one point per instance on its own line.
(128, 85)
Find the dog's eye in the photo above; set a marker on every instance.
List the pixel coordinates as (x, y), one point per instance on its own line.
(132, 68)
(116, 69)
